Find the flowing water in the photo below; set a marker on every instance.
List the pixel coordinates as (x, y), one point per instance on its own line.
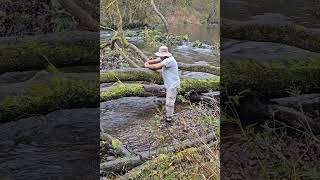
(184, 52)
(130, 118)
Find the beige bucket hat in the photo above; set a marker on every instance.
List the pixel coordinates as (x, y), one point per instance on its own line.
(163, 51)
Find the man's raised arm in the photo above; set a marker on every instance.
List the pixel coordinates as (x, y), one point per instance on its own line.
(154, 66)
(154, 61)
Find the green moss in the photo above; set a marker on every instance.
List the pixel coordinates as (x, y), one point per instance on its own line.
(122, 90)
(44, 98)
(199, 85)
(275, 79)
(208, 69)
(286, 34)
(114, 76)
(27, 56)
(169, 166)
(187, 86)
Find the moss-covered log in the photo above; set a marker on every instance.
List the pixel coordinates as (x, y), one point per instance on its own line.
(129, 163)
(199, 68)
(290, 34)
(131, 74)
(143, 74)
(270, 80)
(187, 85)
(29, 56)
(123, 150)
(44, 98)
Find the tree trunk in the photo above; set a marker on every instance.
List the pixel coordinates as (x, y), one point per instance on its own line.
(83, 16)
(165, 22)
(138, 89)
(145, 74)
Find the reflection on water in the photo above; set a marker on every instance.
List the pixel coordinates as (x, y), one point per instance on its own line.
(204, 33)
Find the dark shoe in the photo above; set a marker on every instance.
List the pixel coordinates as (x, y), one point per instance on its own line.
(169, 121)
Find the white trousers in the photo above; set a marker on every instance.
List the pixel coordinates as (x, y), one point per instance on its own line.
(171, 95)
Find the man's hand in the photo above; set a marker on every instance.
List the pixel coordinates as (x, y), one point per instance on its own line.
(146, 64)
(153, 66)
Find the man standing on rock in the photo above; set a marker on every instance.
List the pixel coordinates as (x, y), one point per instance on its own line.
(170, 75)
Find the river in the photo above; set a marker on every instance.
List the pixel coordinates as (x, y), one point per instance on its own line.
(184, 52)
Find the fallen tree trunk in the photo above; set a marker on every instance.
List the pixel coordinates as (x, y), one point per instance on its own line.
(126, 164)
(61, 49)
(130, 74)
(123, 150)
(163, 19)
(129, 61)
(138, 51)
(144, 74)
(270, 80)
(187, 85)
(199, 68)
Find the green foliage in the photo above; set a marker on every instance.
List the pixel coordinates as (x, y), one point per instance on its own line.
(43, 98)
(122, 90)
(197, 44)
(116, 144)
(131, 33)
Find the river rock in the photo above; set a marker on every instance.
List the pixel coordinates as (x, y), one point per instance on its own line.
(265, 52)
(60, 145)
(127, 111)
(197, 75)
